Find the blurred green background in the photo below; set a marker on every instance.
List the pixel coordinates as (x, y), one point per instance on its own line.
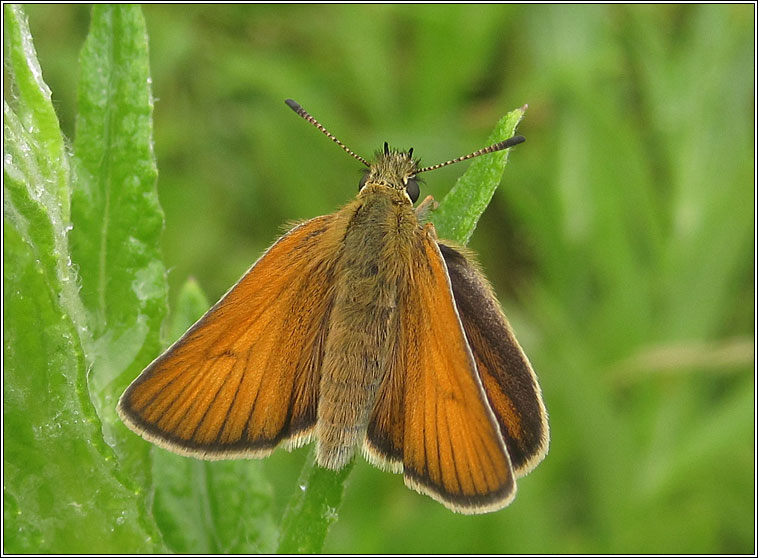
(621, 242)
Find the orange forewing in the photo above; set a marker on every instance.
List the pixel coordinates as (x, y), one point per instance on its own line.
(431, 413)
(245, 377)
(509, 381)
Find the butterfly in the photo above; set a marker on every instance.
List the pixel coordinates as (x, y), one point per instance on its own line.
(359, 329)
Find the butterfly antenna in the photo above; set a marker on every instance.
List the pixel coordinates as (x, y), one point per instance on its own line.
(302, 112)
(499, 146)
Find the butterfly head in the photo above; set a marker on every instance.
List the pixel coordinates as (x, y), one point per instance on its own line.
(394, 169)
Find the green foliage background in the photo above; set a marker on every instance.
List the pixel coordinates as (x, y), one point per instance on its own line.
(621, 243)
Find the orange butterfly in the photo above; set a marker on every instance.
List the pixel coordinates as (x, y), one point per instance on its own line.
(359, 328)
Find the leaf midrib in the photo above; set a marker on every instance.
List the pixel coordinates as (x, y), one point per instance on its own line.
(105, 168)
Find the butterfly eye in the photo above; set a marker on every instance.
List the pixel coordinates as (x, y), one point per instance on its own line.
(412, 189)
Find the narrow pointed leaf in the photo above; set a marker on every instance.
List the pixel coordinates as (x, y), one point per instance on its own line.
(459, 211)
(117, 218)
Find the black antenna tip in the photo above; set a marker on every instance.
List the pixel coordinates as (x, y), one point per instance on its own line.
(386, 148)
(510, 142)
(293, 105)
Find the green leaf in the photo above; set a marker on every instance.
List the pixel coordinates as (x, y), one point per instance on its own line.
(36, 112)
(118, 220)
(191, 304)
(61, 481)
(213, 507)
(312, 509)
(210, 506)
(63, 488)
(459, 211)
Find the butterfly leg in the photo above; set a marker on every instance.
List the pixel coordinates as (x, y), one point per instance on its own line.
(427, 204)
